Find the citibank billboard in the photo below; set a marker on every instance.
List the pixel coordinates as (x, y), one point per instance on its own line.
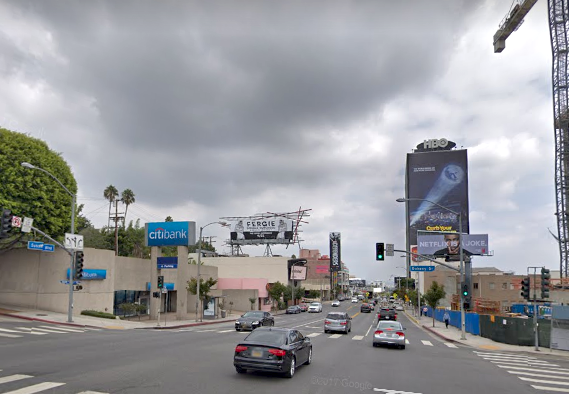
(170, 234)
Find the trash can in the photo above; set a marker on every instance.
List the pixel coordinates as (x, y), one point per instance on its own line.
(223, 314)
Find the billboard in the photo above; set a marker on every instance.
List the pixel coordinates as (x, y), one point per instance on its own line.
(448, 245)
(442, 178)
(335, 256)
(276, 228)
(357, 282)
(170, 233)
(322, 269)
(298, 273)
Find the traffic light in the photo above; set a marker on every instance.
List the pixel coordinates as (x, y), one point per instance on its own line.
(466, 305)
(79, 258)
(465, 292)
(545, 276)
(380, 251)
(525, 288)
(156, 294)
(5, 223)
(78, 287)
(160, 282)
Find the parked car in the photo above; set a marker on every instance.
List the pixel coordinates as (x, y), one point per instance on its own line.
(366, 308)
(335, 303)
(293, 309)
(387, 314)
(354, 300)
(274, 350)
(338, 321)
(254, 319)
(315, 307)
(303, 307)
(389, 333)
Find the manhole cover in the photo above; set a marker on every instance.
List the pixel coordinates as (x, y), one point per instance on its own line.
(41, 314)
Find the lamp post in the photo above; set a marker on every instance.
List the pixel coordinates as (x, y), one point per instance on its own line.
(462, 316)
(224, 224)
(73, 197)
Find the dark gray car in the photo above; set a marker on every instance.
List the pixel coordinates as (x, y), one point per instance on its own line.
(338, 321)
(254, 319)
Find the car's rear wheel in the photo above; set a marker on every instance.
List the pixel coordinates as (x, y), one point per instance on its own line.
(290, 373)
(402, 347)
(309, 361)
(272, 323)
(240, 370)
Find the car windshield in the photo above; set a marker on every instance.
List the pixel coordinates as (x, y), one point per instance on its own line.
(385, 325)
(335, 316)
(275, 338)
(315, 304)
(253, 314)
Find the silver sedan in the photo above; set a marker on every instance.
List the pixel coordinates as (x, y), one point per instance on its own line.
(389, 333)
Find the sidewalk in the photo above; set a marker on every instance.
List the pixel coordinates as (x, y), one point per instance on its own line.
(453, 334)
(166, 322)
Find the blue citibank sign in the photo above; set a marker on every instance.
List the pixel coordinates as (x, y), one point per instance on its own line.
(91, 274)
(170, 234)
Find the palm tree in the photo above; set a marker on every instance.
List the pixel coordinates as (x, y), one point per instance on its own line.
(110, 193)
(127, 199)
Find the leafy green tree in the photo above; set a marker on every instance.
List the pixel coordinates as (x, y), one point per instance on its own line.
(276, 291)
(205, 288)
(298, 293)
(127, 308)
(432, 296)
(314, 294)
(31, 192)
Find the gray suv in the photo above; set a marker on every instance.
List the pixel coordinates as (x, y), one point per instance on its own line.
(338, 321)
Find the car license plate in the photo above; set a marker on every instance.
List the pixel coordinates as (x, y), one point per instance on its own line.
(256, 353)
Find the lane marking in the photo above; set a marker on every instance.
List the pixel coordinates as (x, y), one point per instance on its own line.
(513, 362)
(530, 360)
(50, 331)
(406, 342)
(358, 337)
(504, 354)
(368, 330)
(206, 330)
(91, 392)
(10, 335)
(356, 314)
(544, 381)
(553, 370)
(427, 343)
(389, 391)
(550, 388)
(36, 388)
(336, 336)
(452, 345)
(13, 331)
(61, 329)
(13, 378)
(537, 375)
(30, 331)
(226, 331)
(314, 334)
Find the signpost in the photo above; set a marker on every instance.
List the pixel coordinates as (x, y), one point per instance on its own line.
(33, 245)
(66, 282)
(48, 247)
(73, 241)
(389, 250)
(422, 268)
(27, 225)
(16, 221)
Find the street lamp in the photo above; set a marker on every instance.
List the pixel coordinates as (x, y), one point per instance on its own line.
(224, 224)
(73, 197)
(462, 316)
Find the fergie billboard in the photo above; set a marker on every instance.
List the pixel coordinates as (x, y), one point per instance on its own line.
(170, 233)
(440, 177)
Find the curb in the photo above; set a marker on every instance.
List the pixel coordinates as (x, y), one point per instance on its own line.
(48, 321)
(430, 329)
(184, 325)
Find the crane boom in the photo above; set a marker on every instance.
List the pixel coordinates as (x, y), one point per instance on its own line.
(511, 22)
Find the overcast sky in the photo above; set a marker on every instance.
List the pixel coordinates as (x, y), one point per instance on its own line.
(221, 108)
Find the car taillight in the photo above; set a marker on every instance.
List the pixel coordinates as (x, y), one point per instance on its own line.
(401, 334)
(378, 332)
(277, 352)
(343, 323)
(240, 348)
(326, 322)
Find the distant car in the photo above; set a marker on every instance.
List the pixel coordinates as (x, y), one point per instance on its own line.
(335, 303)
(293, 309)
(366, 308)
(354, 300)
(338, 321)
(389, 333)
(399, 308)
(315, 307)
(273, 350)
(303, 307)
(387, 314)
(254, 319)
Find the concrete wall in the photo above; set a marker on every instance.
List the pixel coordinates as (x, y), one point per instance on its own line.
(240, 299)
(271, 268)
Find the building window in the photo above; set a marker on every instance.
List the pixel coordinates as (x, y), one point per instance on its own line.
(511, 286)
(475, 286)
(491, 285)
(504, 286)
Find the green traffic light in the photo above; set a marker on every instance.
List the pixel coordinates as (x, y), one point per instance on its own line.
(379, 256)
(465, 293)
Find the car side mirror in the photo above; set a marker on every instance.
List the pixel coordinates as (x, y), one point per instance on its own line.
(306, 339)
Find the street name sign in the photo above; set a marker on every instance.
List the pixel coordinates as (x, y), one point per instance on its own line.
(66, 282)
(48, 247)
(423, 268)
(34, 245)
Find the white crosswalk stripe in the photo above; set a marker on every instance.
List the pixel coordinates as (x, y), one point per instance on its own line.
(10, 335)
(36, 388)
(335, 336)
(406, 342)
(61, 329)
(22, 332)
(358, 337)
(14, 378)
(314, 334)
(451, 345)
(546, 388)
(427, 343)
(31, 331)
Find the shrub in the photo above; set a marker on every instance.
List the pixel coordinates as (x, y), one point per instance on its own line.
(104, 315)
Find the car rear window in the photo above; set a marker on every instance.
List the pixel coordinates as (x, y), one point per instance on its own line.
(392, 325)
(276, 338)
(335, 316)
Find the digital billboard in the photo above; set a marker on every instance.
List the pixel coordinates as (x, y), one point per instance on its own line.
(441, 177)
(335, 256)
(276, 228)
(445, 245)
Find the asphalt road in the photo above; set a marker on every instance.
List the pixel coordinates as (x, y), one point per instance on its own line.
(199, 360)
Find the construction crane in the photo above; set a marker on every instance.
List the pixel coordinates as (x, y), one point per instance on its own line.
(558, 30)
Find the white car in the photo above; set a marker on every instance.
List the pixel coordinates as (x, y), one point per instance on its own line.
(336, 303)
(354, 300)
(315, 307)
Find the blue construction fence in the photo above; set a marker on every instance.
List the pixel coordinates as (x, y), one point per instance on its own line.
(472, 319)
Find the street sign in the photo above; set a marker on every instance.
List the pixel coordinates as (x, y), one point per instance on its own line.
(16, 221)
(27, 225)
(66, 282)
(48, 247)
(389, 250)
(164, 290)
(423, 268)
(34, 245)
(73, 241)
